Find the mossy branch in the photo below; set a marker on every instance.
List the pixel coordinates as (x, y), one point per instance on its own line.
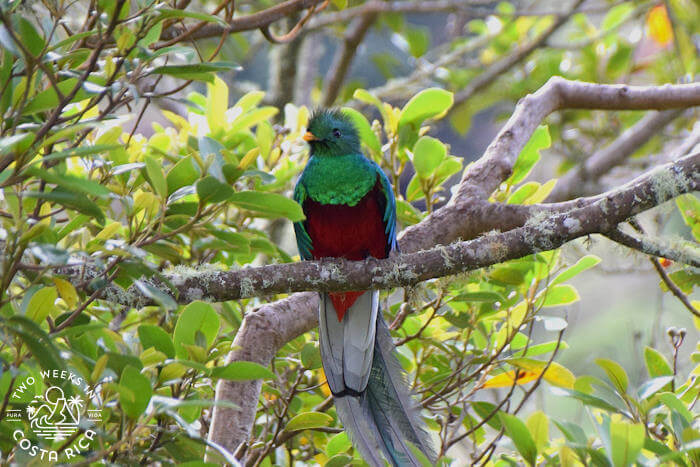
(544, 229)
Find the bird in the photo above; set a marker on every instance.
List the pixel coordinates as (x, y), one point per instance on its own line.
(350, 212)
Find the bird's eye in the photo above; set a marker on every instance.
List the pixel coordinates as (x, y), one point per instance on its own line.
(336, 132)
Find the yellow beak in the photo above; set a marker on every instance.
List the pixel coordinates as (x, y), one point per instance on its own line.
(308, 136)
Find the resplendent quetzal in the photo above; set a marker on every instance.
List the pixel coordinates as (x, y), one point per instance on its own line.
(351, 213)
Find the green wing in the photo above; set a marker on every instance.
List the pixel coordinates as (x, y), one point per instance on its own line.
(389, 209)
(303, 239)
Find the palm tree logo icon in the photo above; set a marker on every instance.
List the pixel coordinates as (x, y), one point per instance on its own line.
(55, 417)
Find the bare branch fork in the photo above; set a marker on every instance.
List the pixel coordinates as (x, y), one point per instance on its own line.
(467, 215)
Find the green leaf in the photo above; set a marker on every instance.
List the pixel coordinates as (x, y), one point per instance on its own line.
(79, 151)
(418, 39)
(558, 295)
(242, 371)
(9, 143)
(523, 192)
(156, 337)
(153, 34)
(685, 279)
(197, 71)
(656, 447)
(134, 391)
(184, 173)
(197, 316)
(654, 385)
(154, 170)
(626, 440)
(656, 363)
(428, 154)
(252, 118)
(268, 204)
(671, 401)
(48, 99)
(407, 214)
(118, 362)
(518, 432)
(587, 399)
(30, 38)
(616, 374)
(338, 444)
(69, 182)
(448, 167)
(339, 460)
(488, 411)
(572, 432)
(363, 95)
(617, 15)
(310, 356)
(37, 341)
(76, 201)
(429, 103)
(41, 304)
(581, 265)
(530, 154)
(538, 424)
(211, 190)
(217, 103)
(307, 420)
(364, 130)
(249, 100)
(689, 207)
(620, 60)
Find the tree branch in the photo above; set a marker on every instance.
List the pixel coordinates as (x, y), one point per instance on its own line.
(573, 182)
(257, 20)
(496, 165)
(344, 55)
(675, 290)
(680, 252)
(544, 229)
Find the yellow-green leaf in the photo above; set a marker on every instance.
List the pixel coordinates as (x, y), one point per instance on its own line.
(41, 304)
(66, 291)
(307, 420)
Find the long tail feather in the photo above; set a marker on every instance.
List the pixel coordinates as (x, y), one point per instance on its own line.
(354, 412)
(373, 402)
(396, 414)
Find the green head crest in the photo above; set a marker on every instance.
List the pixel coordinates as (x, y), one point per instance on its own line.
(331, 133)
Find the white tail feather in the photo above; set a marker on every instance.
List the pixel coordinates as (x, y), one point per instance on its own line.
(358, 342)
(331, 342)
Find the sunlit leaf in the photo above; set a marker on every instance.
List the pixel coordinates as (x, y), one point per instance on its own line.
(306, 420)
(659, 25)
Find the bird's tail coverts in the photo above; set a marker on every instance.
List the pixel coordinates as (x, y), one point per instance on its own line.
(385, 417)
(347, 346)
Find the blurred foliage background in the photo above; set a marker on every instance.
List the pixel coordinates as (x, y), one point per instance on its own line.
(142, 137)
